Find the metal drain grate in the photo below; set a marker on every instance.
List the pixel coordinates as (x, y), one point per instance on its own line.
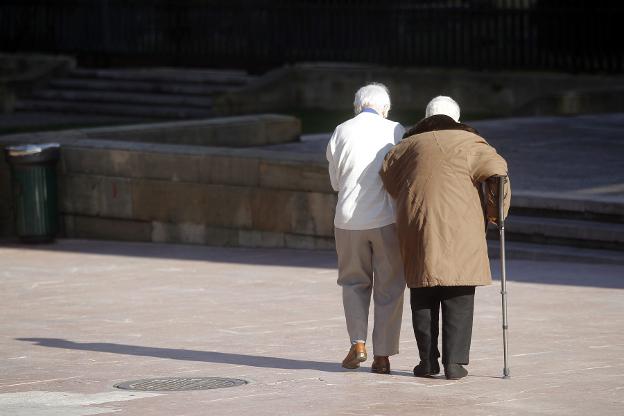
(180, 383)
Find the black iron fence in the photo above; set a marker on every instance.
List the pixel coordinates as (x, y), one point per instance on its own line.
(572, 35)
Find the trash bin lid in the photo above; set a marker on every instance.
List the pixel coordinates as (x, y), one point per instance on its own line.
(30, 149)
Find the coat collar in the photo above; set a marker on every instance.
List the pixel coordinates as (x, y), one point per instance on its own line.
(438, 122)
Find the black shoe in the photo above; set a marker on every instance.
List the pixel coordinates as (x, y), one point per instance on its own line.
(427, 368)
(454, 371)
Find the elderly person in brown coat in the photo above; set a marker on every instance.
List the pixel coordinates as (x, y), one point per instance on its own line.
(436, 174)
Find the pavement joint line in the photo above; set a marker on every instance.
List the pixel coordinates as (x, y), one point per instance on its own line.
(39, 381)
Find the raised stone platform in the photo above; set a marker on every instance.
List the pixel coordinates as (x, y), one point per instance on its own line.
(115, 185)
(279, 195)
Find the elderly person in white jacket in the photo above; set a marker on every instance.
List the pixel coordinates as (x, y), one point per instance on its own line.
(369, 258)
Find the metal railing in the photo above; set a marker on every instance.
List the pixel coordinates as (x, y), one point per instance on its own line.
(571, 36)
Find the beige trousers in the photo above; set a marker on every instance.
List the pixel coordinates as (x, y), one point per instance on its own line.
(369, 262)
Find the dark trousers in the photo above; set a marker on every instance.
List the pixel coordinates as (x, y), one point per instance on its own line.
(457, 311)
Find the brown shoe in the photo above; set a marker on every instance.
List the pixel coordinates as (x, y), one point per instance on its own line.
(381, 365)
(356, 355)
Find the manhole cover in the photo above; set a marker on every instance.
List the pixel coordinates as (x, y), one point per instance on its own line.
(180, 383)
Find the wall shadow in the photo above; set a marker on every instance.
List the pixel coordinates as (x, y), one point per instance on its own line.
(525, 271)
(238, 255)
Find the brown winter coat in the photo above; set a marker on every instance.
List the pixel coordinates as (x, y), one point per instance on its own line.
(435, 175)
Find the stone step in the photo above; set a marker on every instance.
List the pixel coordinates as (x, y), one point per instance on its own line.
(143, 111)
(572, 232)
(515, 250)
(136, 86)
(124, 97)
(567, 205)
(228, 77)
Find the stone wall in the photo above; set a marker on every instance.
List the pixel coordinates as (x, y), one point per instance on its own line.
(195, 195)
(136, 191)
(332, 86)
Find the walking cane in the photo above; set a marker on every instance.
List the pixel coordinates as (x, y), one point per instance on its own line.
(501, 230)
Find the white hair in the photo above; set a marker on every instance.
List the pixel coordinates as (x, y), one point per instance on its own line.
(443, 105)
(375, 96)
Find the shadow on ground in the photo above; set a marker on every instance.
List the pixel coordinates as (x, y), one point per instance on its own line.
(189, 355)
(210, 357)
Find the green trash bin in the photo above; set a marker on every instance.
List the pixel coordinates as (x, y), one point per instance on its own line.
(33, 171)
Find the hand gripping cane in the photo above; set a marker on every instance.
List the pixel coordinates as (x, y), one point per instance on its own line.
(501, 230)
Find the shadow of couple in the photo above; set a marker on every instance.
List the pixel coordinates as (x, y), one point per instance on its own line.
(189, 355)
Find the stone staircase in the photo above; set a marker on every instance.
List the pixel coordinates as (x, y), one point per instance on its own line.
(541, 225)
(160, 93)
(560, 226)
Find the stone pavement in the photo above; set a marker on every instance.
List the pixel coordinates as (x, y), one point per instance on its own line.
(581, 156)
(78, 317)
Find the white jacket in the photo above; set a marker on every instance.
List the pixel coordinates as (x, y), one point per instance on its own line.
(355, 153)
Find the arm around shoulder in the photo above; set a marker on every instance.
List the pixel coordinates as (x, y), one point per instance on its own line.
(391, 171)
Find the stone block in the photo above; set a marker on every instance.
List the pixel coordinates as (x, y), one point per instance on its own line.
(228, 169)
(314, 214)
(189, 233)
(254, 238)
(167, 166)
(273, 210)
(106, 162)
(164, 133)
(257, 131)
(78, 226)
(281, 129)
(143, 162)
(181, 202)
(306, 213)
(98, 196)
(245, 131)
(308, 242)
(299, 176)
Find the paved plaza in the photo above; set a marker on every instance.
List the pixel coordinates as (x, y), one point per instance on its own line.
(77, 317)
